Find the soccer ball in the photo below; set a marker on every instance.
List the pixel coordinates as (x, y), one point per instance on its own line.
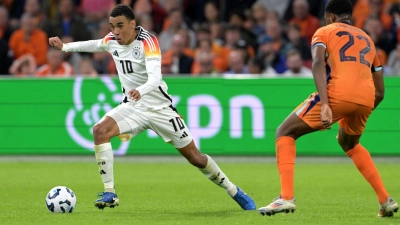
(61, 199)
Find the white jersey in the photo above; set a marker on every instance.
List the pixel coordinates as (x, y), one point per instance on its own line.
(138, 65)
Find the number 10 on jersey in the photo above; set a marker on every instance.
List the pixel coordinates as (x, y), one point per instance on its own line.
(126, 66)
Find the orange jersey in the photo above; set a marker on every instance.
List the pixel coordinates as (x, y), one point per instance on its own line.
(351, 58)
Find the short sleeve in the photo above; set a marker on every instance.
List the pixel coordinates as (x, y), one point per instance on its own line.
(376, 65)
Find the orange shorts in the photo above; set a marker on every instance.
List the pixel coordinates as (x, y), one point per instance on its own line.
(352, 117)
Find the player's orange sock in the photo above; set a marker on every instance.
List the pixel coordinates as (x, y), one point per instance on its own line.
(285, 155)
(363, 161)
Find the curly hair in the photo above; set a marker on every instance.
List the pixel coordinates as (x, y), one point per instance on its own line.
(339, 7)
(123, 10)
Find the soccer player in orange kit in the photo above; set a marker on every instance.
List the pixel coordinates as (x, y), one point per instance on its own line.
(347, 95)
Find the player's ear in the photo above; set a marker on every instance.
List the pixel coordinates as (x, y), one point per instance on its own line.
(133, 24)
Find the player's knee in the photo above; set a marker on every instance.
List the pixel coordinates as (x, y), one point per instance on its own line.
(99, 130)
(346, 144)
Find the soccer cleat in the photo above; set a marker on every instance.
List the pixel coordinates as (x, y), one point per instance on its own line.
(277, 206)
(108, 199)
(388, 208)
(245, 201)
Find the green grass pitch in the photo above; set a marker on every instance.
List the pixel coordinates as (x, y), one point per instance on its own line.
(177, 193)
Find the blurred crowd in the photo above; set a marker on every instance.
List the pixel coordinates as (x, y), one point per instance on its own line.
(268, 38)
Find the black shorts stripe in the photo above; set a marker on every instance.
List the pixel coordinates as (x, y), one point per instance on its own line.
(169, 98)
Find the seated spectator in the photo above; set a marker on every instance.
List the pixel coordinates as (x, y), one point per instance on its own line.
(278, 7)
(176, 23)
(102, 61)
(270, 57)
(275, 32)
(367, 8)
(393, 63)
(180, 63)
(166, 63)
(29, 39)
(256, 66)
(33, 7)
(23, 66)
(236, 64)
(259, 13)
(186, 40)
(302, 17)
(373, 27)
(238, 18)
(217, 34)
(73, 58)
(295, 66)
(146, 21)
(56, 67)
(206, 64)
(299, 43)
(5, 30)
(5, 33)
(211, 12)
(246, 50)
(86, 68)
(67, 23)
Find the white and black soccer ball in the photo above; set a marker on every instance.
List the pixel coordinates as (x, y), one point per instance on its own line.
(61, 199)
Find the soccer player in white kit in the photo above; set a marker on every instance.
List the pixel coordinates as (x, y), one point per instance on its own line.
(145, 105)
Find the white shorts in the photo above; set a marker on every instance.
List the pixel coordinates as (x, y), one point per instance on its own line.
(166, 122)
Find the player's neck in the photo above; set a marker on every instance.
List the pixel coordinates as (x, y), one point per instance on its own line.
(346, 21)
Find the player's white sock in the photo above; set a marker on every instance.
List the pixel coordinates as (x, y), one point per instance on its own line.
(105, 161)
(215, 174)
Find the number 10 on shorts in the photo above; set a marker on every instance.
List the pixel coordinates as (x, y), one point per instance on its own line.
(178, 122)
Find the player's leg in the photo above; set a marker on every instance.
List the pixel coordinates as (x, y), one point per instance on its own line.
(120, 120)
(292, 128)
(103, 131)
(172, 128)
(354, 124)
(210, 169)
(305, 119)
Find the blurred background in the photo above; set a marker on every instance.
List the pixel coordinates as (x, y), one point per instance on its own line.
(209, 50)
(197, 37)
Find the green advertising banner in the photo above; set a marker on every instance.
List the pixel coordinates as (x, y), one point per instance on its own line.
(225, 116)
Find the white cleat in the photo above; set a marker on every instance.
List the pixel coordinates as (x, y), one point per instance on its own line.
(388, 208)
(277, 206)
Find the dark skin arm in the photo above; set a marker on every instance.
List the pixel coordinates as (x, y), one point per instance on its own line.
(319, 73)
(379, 87)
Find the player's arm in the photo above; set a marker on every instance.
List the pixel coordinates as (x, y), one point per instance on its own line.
(80, 46)
(319, 74)
(318, 52)
(377, 75)
(152, 55)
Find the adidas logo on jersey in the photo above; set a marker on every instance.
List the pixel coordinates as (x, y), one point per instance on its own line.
(184, 135)
(115, 53)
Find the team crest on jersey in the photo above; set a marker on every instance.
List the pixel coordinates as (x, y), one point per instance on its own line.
(136, 52)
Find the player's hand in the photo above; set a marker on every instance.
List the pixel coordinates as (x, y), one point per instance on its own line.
(56, 42)
(326, 116)
(134, 95)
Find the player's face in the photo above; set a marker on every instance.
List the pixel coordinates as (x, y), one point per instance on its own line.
(123, 29)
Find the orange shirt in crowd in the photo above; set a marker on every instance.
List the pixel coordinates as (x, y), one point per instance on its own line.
(64, 70)
(308, 26)
(362, 11)
(37, 45)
